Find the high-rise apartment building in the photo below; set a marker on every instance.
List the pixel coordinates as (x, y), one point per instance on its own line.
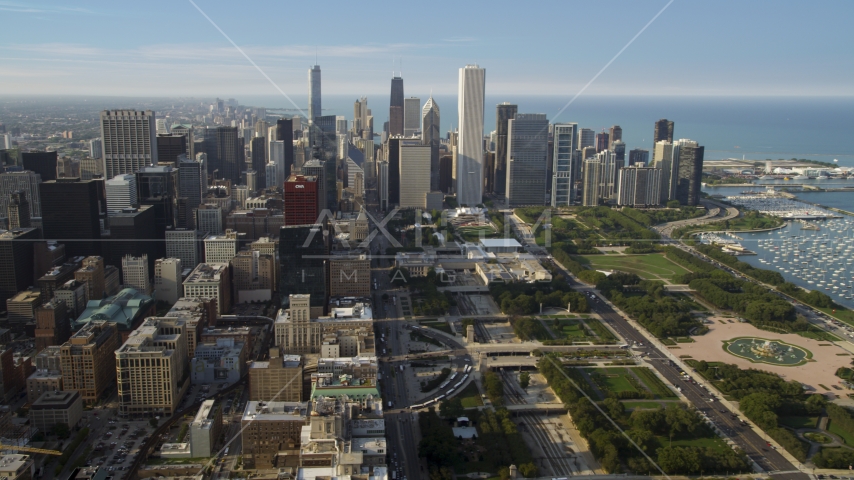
(396, 107)
(19, 211)
(411, 116)
(527, 159)
(602, 142)
(211, 280)
(608, 174)
(619, 149)
(586, 138)
(121, 192)
(25, 181)
(415, 168)
(639, 187)
(314, 105)
(88, 360)
(152, 366)
(186, 245)
(663, 131)
(504, 112)
(129, 141)
(95, 148)
(663, 158)
(16, 261)
(135, 273)
(564, 169)
(303, 264)
(168, 283)
(689, 171)
(590, 189)
(254, 276)
(42, 163)
(472, 85)
(221, 248)
(76, 223)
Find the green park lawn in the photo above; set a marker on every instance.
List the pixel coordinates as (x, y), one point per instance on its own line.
(799, 422)
(652, 266)
(470, 396)
(614, 379)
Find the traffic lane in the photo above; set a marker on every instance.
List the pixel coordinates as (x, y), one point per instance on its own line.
(750, 441)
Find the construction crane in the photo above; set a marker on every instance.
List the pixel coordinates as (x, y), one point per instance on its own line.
(30, 449)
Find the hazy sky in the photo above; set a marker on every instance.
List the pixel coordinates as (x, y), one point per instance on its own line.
(159, 47)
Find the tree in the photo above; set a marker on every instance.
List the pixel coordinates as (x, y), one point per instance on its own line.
(451, 408)
(524, 380)
(673, 204)
(61, 430)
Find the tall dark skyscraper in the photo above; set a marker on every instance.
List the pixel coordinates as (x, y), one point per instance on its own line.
(225, 153)
(75, 223)
(504, 112)
(395, 111)
(663, 131)
(169, 147)
(134, 231)
(393, 159)
(43, 163)
(285, 133)
(258, 147)
(602, 142)
(16, 261)
(158, 187)
(302, 255)
(192, 186)
(690, 171)
(638, 155)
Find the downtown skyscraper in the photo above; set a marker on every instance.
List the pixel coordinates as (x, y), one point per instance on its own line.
(411, 116)
(470, 147)
(503, 112)
(314, 108)
(431, 135)
(129, 141)
(663, 131)
(395, 109)
(564, 168)
(527, 159)
(689, 171)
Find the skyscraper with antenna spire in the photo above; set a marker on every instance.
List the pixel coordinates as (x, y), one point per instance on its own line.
(395, 110)
(314, 109)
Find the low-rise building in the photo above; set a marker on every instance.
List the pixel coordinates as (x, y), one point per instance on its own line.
(220, 362)
(271, 433)
(60, 406)
(417, 263)
(350, 323)
(279, 378)
(43, 381)
(14, 466)
(205, 430)
(126, 310)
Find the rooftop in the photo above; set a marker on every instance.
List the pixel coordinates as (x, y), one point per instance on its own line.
(206, 273)
(275, 411)
(58, 399)
(124, 309)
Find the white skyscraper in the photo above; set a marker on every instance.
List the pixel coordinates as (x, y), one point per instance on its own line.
(431, 135)
(95, 150)
(414, 174)
(314, 109)
(129, 141)
(7, 141)
(470, 147)
(277, 156)
(121, 192)
(168, 285)
(162, 126)
(564, 170)
(411, 116)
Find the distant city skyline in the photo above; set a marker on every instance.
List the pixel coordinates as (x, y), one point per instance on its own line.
(48, 47)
